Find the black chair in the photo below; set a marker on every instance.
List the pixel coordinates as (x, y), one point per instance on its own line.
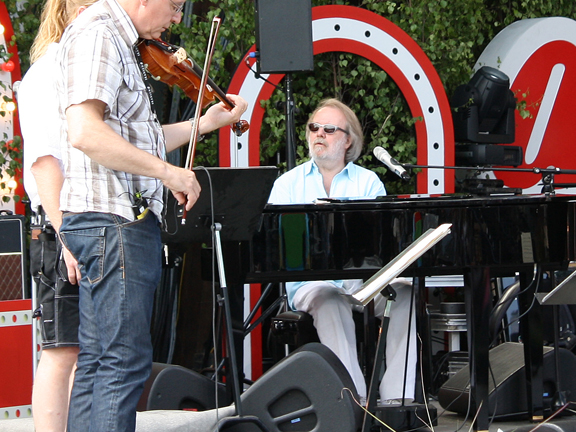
(293, 329)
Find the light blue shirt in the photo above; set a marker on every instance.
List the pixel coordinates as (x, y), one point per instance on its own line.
(304, 184)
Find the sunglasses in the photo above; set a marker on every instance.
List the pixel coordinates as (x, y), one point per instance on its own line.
(328, 128)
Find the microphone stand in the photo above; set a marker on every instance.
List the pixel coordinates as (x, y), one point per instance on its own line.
(547, 173)
(548, 185)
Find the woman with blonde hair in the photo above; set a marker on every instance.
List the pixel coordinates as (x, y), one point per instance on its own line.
(54, 270)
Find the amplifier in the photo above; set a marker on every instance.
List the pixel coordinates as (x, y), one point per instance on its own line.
(13, 273)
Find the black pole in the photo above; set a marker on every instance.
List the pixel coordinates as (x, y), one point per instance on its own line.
(290, 127)
(239, 417)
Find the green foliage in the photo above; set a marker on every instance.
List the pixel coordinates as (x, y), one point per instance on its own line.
(452, 33)
(234, 39)
(10, 161)
(25, 21)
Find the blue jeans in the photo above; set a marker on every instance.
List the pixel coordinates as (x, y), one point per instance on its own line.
(121, 265)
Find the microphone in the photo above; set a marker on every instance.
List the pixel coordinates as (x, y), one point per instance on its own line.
(383, 156)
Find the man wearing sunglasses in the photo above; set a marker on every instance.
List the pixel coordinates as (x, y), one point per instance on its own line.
(335, 141)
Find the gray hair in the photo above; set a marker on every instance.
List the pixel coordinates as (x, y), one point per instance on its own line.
(352, 125)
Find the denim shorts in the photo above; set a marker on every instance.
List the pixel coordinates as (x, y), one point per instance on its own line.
(57, 298)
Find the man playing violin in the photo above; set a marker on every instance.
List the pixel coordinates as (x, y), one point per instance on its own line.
(112, 198)
(335, 141)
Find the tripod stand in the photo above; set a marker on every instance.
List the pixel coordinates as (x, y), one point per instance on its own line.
(239, 416)
(390, 296)
(229, 206)
(379, 284)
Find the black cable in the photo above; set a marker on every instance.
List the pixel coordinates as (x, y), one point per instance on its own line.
(214, 297)
(258, 76)
(535, 279)
(493, 416)
(527, 310)
(439, 365)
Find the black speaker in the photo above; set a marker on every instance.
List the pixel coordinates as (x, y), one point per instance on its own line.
(284, 36)
(507, 390)
(305, 391)
(12, 257)
(172, 387)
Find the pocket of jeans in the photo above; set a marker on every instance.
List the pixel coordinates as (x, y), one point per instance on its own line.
(35, 257)
(47, 328)
(88, 248)
(67, 313)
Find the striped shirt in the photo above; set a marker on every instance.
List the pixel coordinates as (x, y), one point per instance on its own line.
(97, 61)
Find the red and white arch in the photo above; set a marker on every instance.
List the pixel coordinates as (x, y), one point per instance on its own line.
(364, 33)
(357, 31)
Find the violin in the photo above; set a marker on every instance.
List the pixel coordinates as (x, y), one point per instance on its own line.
(171, 65)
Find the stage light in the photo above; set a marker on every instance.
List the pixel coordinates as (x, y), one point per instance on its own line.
(483, 114)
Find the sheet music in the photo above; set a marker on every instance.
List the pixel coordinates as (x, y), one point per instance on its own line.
(564, 293)
(372, 287)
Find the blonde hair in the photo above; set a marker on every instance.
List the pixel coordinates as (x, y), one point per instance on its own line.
(56, 15)
(352, 125)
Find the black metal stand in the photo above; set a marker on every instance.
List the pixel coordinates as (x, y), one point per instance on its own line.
(547, 174)
(560, 398)
(371, 400)
(239, 416)
(290, 128)
(396, 417)
(236, 196)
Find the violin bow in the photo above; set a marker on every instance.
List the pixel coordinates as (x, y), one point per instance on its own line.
(198, 112)
(203, 81)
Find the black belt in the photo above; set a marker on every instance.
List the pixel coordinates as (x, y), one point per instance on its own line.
(43, 234)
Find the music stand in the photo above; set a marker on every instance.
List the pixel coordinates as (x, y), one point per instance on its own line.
(230, 205)
(563, 294)
(380, 283)
(238, 194)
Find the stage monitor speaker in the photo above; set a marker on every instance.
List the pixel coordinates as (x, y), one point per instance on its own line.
(172, 387)
(284, 36)
(12, 257)
(304, 392)
(508, 398)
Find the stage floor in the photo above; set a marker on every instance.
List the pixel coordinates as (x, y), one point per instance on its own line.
(452, 422)
(182, 421)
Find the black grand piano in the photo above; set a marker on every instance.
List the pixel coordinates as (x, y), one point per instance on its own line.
(491, 236)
